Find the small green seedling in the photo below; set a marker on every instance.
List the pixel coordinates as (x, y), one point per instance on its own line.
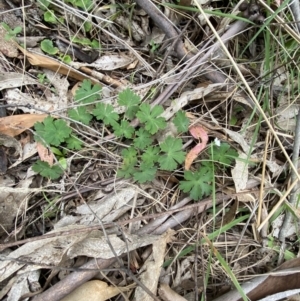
(86, 5)
(95, 44)
(43, 78)
(50, 17)
(47, 46)
(11, 33)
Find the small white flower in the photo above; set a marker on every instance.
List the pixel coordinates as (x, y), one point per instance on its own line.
(217, 142)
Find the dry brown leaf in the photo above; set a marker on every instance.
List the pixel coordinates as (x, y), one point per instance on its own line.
(36, 59)
(16, 124)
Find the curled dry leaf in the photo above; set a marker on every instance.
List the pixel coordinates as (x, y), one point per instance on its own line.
(198, 133)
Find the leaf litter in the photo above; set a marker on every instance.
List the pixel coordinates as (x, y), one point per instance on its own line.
(136, 102)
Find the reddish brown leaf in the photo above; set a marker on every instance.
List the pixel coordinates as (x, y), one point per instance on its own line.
(45, 154)
(198, 133)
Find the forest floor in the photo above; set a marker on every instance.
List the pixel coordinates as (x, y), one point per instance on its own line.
(149, 150)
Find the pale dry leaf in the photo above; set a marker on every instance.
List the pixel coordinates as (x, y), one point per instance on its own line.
(118, 212)
(190, 47)
(201, 18)
(286, 117)
(274, 168)
(239, 139)
(109, 202)
(177, 104)
(29, 149)
(29, 104)
(10, 80)
(156, 36)
(167, 294)
(277, 225)
(95, 245)
(66, 221)
(282, 76)
(242, 99)
(112, 205)
(4, 291)
(150, 271)
(95, 290)
(170, 130)
(23, 285)
(7, 180)
(61, 85)
(247, 198)
(109, 62)
(51, 251)
(240, 172)
(132, 65)
(183, 271)
(47, 251)
(136, 31)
